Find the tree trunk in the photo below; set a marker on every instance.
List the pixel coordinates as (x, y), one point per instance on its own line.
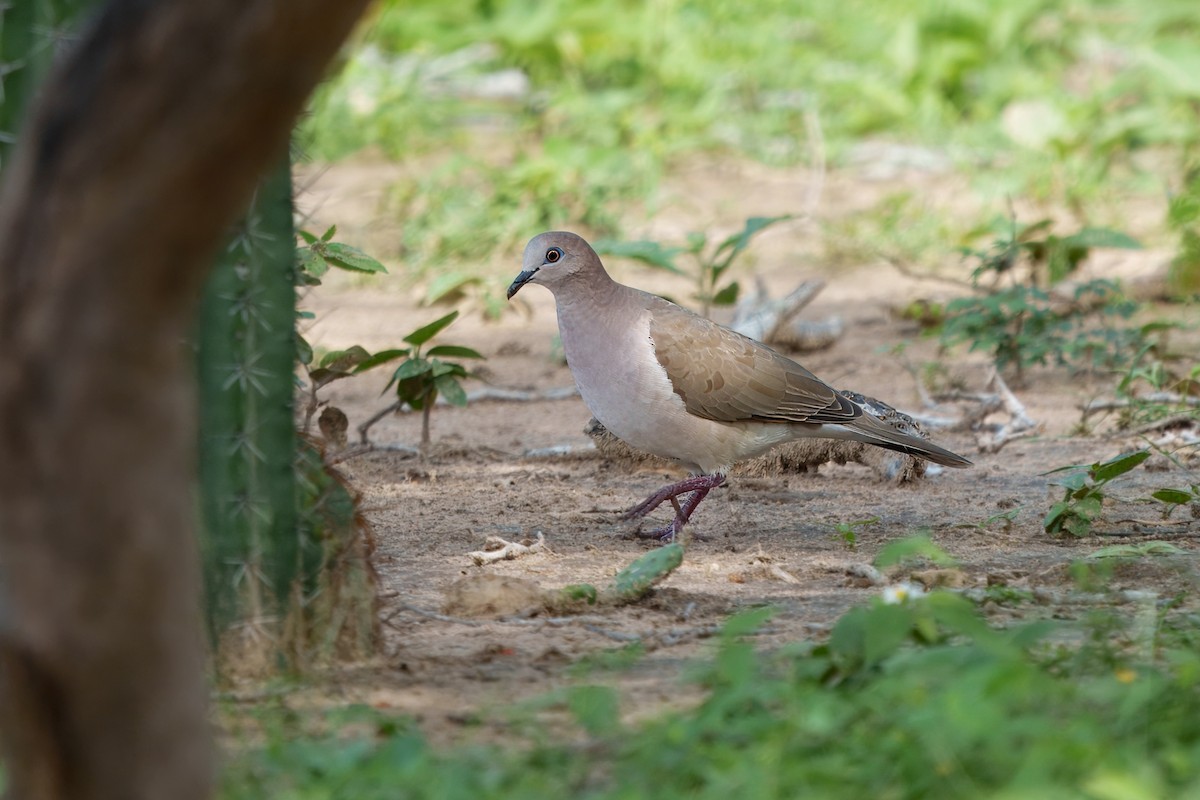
(146, 143)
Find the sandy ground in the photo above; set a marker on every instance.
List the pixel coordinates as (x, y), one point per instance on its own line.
(768, 540)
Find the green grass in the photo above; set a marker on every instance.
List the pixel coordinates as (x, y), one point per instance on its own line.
(622, 91)
(920, 699)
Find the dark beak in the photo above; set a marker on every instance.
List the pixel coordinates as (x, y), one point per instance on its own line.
(520, 281)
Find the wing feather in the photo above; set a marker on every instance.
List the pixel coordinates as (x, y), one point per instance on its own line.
(725, 376)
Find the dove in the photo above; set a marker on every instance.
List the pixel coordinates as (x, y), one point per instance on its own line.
(685, 388)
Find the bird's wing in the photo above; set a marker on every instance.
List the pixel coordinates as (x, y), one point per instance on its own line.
(725, 376)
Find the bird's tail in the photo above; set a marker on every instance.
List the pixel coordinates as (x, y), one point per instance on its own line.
(869, 429)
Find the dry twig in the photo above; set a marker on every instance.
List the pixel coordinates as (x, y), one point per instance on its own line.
(496, 549)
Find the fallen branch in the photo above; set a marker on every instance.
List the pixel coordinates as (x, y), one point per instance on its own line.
(369, 447)
(991, 437)
(776, 321)
(496, 549)
(479, 395)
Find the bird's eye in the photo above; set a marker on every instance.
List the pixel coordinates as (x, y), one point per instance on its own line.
(553, 255)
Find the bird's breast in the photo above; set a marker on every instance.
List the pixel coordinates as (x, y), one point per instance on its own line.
(627, 389)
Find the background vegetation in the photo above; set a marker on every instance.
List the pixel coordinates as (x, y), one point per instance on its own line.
(533, 115)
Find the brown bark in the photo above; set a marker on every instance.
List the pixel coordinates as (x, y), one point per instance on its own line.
(146, 143)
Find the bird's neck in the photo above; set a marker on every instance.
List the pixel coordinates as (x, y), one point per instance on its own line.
(591, 297)
(596, 312)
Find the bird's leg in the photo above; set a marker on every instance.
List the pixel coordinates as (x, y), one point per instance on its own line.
(666, 493)
(698, 487)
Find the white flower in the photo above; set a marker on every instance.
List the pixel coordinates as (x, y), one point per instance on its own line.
(902, 592)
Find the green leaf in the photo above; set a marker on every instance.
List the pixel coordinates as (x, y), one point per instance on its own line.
(912, 548)
(351, 258)
(382, 357)
(885, 628)
(1089, 507)
(1174, 496)
(453, 351)
(328, 235)
(447, 368)
(847, 640)
(1054, 518)
(304, 351)
(1078, 526)
(307, 237)
(344, 360)
(311, 264)
(412, 368)
(322, 377)
(738, 242)
(1073, 482)
(958, 615)
(727, 296)
(649, 253)
(1107, 470)
(1138, 550)
(422, 335)
(451, 389)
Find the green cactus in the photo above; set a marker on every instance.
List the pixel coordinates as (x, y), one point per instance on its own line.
(246, 359)
(30, 31)
(286, 554)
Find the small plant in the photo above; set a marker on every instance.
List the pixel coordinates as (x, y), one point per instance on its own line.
(1152, 387)
(1084, 493)
(424, 376)
(419, 380)
(710, 264)
(1005, 518)
(314, 258)
(848, 531)
(1018, 320)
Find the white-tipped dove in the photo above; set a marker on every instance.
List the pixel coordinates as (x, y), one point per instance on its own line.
(683, 387)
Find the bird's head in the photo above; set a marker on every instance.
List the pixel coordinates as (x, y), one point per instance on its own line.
(553, 258)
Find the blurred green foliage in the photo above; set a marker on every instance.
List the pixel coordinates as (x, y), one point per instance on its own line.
(913, 699)
(534, 115)
(673, 74)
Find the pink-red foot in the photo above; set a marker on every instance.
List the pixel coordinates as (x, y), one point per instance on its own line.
(697, 488)
(692, 484)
